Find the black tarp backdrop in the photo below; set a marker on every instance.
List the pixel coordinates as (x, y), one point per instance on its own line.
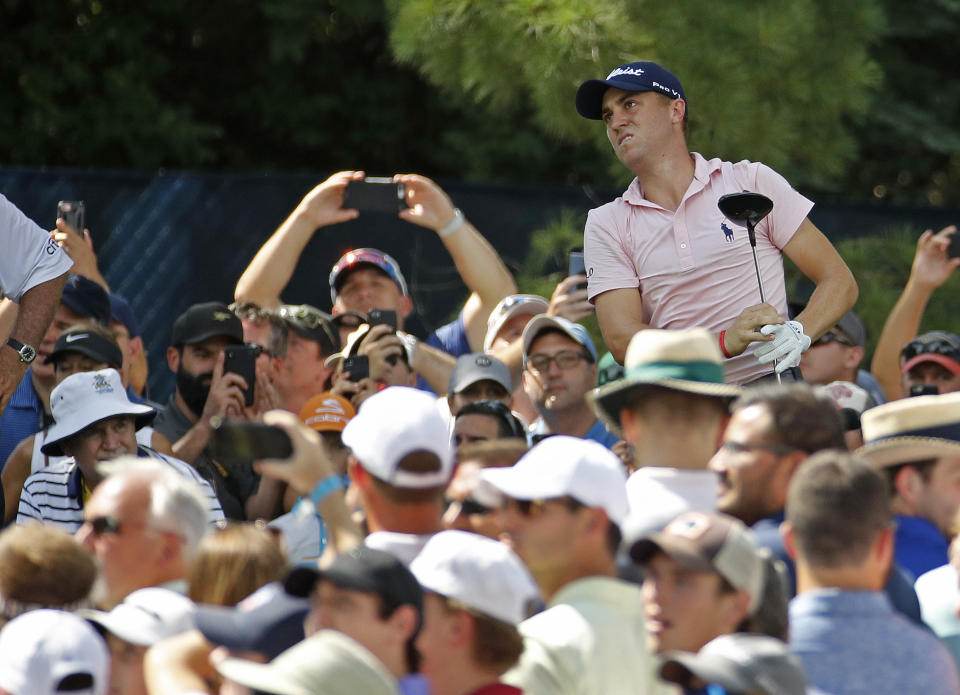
(168, 240)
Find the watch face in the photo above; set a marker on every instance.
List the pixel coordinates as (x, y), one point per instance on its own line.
(27, 354)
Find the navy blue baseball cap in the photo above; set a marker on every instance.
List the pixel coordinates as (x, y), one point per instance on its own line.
(122, 312)
(642, 76)
(86, 298)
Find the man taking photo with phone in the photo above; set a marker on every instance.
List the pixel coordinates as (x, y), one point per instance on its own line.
(365, 279)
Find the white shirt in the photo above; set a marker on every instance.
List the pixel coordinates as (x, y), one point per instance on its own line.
(29, 255)
(657, 496)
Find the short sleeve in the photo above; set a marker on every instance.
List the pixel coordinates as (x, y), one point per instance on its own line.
(30, 256)
(608, 261)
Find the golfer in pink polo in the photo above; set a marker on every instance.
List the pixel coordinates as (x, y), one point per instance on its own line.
(663, 255)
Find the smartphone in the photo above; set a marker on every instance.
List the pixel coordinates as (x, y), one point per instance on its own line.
(380, 316)
(249, 441)
(358, 366)
(576, 266)
(73, 212)
(924, 390)
(375, 194)
(242, 360)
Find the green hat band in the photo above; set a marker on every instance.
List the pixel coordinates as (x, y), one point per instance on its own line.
(707, 372)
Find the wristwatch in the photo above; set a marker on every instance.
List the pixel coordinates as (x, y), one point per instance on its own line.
(27, 352)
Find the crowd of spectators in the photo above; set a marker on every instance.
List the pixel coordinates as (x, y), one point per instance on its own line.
(726, 501)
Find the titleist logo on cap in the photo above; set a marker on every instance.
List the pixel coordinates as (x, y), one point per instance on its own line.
(625, 71)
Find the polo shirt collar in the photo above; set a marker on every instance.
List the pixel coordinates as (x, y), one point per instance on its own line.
(702, 172)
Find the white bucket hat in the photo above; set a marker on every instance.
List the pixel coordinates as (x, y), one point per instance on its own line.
(84, 398)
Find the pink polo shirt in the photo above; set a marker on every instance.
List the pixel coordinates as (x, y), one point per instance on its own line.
(694, 267)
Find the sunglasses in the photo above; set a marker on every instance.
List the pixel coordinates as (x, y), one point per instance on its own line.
(831, 337)
(104, 525)
(470, 507)
(936, 343)
(534, 508)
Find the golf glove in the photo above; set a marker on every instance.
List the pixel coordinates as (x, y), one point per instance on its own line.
(788, 344)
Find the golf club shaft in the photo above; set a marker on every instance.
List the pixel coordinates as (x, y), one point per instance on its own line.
(756, 264)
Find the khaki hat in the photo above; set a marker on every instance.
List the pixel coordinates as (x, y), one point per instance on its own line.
(679, 360)
(708, 543)
(911, 429)
(327, 663)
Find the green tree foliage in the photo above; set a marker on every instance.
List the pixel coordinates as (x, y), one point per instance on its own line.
(772, 81)
(910, 136)
(266, 84)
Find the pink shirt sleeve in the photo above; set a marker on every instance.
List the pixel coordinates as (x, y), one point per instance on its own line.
(609, 263)
(789, 207)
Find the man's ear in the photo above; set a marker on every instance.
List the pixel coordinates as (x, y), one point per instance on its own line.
(789, 540)
(406, 306)
(908, 484)
(739, 607)
(173, 359)
(404, 620)
(630, 424)
(854, 357)
(136, 347)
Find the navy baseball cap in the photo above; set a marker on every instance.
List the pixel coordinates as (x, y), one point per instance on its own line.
(642, 76)
(383, 262)
(122, 312)
(86, 298)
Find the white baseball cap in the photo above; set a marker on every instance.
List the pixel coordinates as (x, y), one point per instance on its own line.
(562, 466)
(147, 616)
(480, 573)
(393, 423)
(42, 648)
(514, 305)
(85, 398)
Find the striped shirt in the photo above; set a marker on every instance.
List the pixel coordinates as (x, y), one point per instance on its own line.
(54, 495)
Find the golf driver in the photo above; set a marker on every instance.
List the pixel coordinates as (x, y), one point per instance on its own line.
(748, 208)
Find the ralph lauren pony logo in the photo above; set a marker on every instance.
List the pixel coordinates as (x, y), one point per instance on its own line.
(727, 232)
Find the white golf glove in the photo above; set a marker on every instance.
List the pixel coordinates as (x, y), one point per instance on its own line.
(788, 344)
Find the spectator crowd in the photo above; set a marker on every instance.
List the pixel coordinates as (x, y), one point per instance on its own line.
(717, 498)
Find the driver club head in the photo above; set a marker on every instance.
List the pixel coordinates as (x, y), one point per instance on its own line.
(745, 207)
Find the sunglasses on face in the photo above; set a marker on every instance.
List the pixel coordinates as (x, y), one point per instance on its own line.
(565, 359)
(470, 507)
(936, 344)
(104, 525)
(534, 508)
(831, 337)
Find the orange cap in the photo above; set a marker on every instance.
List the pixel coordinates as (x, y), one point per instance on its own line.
(327, 412)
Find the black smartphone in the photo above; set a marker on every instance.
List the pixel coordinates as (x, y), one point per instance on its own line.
(242, 360)
(375, 194)
(73, 212)
(576, 266)
(358, 366)
(375, 317)
(249, 441)
(924, 390)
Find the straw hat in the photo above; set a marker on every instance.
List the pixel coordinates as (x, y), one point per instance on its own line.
(911, 429)
(680, 360)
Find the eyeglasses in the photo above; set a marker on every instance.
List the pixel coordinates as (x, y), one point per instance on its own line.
(351, 320)
(565, 359)
(934, 343)
(832, 337)
(743, 448)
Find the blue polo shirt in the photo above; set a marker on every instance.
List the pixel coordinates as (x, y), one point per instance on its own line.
(24, 416)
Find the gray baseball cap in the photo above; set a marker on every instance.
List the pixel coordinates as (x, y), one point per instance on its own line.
(477, 366)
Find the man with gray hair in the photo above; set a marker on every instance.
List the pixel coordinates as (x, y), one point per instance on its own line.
(143, 523)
